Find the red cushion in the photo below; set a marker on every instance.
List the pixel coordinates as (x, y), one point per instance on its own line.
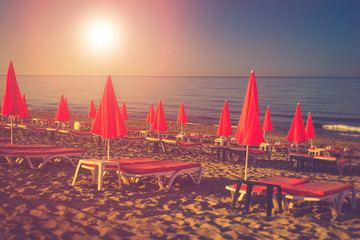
(256, 189)
(132, 138)
(123, 162)
(156, 167)
(44, 151)
(316, 189)
(257, 152)
(284, 181)
(189, 144)
(343, 161)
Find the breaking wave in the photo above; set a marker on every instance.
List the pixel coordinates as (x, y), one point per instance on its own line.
(342, 128)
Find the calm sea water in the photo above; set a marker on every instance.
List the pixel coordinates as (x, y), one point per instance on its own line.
(332, 101)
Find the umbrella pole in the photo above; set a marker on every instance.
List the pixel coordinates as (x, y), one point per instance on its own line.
(246, 161)
(11, 127)
(311, 142)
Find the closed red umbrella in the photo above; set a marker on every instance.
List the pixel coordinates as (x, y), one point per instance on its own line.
(160, 119)
(249, 129)
(12, 102)
(67, 109)
(25, 114)
(124, 114)
(151, 115)
(182, 119)
(61, 113)
(224, 128)
(309, 129)
(92, 110)
(108, 123)
(297, 130)
(267, 125)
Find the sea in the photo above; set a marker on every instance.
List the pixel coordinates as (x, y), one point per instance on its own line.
(334, 102)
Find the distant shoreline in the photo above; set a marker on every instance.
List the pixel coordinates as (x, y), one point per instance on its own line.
(192, 76)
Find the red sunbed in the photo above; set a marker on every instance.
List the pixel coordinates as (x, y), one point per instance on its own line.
(45, 154)
(306, 190)
(159, 169)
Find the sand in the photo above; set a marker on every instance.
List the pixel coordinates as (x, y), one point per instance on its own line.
(42, 204)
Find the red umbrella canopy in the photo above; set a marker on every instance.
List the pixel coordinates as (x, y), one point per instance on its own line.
(249, 128)
(182, 115)
(309, 130)
(297, 130)
(92, 110)
(124, 114)
(224, 128)
(25, 114)
(160, 119)
(67, 109)
(267, 125)
(108, 122)
(12, 101)
(151, 114)
(61, 114)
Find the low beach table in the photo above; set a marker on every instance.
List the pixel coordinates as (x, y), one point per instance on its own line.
(100, 165)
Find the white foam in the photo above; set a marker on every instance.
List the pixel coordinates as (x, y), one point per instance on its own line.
(343, 128)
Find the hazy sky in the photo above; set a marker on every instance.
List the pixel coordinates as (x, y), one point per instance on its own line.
(181, 37)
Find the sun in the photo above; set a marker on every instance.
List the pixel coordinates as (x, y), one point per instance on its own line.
(102, 34)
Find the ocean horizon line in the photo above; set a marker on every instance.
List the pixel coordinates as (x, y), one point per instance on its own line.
(192, 76)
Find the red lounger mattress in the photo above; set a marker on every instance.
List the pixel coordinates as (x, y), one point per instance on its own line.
(316, 189)
(156, 167)
(27, 146)
(282, 181)
(130, 161)
(41, 151)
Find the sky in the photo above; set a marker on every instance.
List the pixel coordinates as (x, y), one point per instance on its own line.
(181, 37)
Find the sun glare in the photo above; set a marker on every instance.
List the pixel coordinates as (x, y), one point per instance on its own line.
(102, 34)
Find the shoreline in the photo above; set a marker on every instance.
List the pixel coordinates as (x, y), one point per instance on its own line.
(42, 204)
(206, 129)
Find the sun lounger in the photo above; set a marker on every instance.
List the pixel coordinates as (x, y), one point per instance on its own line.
(80, 135)
(22, 147)
(271, 187)
(156, 141)
(98, 168)
(222, 152)
(168, 144)
(133, 169)
(254, 154)
(161, 169)
(316, 161)
(135, 131)
(283, 147)
(184, 147)
(339, 162)
(334, 193)
(127, 141)
(303, 189)
(45, 154)
(300, 160)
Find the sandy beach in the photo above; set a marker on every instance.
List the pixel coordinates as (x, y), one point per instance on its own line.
(42, 204)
